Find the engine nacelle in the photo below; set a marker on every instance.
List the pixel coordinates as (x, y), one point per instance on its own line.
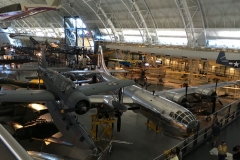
(79, 102)
(176, 97)
(238, 82)
(204, 91)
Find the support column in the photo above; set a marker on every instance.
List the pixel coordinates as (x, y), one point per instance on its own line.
(207, 70)
(191, 71)
(197, 66)
(147, 35)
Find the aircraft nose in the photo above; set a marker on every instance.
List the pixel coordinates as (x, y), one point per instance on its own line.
(192, 127)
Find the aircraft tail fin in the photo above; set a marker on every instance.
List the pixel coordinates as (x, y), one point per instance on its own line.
(101, 64)
(221, 57)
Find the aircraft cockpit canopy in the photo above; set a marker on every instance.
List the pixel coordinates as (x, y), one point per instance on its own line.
(51, 75)
(183, 117)
(66, 85)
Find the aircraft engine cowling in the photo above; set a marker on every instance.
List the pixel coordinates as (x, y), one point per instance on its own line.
(78, 102)
(204, 91)
(176, 97)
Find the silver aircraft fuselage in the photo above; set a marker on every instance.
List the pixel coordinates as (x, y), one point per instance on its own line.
(174, 119)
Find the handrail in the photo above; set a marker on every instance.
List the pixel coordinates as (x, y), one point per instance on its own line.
(204, 133)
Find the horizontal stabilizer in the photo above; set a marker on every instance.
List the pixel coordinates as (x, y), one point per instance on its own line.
(27, 96)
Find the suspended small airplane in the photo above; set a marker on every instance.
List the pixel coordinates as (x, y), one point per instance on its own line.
(127, 63)
(9, 84)
(21, 10)
(20, 113)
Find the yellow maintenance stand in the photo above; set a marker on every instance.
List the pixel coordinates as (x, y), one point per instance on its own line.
(153, 126)
(106, 125)
(168, 154)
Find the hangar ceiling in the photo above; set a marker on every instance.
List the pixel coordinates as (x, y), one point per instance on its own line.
(189, 22)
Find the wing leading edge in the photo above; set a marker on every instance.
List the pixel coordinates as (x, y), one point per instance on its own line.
(27, 96)
(104, 86)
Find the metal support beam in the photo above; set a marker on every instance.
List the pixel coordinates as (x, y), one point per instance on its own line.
(130, 11)
(120, 31)
(148, 38)
(154, 40)
(204, 22)
(86, 2)
(109, 22)
(194, 20)
(187, 21)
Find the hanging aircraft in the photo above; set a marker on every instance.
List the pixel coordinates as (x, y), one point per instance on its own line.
(9, 83)
(62, 95)
(174, 119)
(127, 63)
(221, 59)
(20, 113)
(23, 10)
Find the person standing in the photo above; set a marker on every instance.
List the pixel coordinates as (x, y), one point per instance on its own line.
(222, 151)
(174, 155)
(179, 153)
(216, 129)
(236, 152)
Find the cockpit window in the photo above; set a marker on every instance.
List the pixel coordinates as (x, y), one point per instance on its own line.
(183, 117)
(171, 114)
(51, 75)
(66, 85)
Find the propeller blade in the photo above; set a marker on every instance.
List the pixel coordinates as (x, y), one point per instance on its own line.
(119, 123)
(120, 95)
(220, 102)
(119, 106)
(224, 95)
(140, 84)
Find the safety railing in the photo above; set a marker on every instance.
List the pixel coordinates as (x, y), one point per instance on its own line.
(224, 116)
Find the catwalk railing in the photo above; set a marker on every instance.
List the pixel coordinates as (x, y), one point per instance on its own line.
(224, 116)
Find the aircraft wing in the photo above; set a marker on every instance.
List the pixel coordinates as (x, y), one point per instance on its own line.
(196, 89)
(100, 99)
(97, 71)
(104, 86)
(36, 69)
(27, 96)
(116, 60)
(54, 140)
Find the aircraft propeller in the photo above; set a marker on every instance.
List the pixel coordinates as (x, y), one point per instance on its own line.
(215, 97)
(186, 102)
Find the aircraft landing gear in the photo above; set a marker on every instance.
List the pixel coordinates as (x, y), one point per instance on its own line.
(110, 149)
